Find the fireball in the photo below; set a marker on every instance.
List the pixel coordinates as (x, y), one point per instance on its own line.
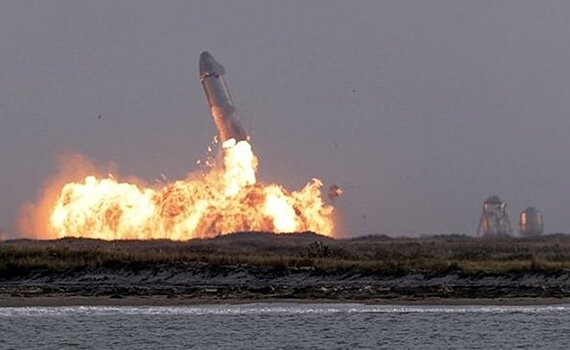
(225, 199)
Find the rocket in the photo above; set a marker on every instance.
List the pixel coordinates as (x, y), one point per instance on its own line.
(219, 98)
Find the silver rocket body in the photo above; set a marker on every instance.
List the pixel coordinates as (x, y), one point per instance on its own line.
(219, 98)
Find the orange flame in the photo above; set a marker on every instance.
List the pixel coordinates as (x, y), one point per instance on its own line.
(224, 200)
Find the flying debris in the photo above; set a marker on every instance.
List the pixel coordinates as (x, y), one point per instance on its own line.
(219, 98)
(334, 192)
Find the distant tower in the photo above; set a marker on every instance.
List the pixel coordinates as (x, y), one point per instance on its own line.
(494, 220)
(531, 222)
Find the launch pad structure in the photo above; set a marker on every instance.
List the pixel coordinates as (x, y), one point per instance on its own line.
(495, 220)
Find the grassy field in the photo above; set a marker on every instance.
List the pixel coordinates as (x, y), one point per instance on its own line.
(372, 255)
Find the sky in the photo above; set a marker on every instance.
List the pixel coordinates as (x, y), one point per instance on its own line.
(419, 110)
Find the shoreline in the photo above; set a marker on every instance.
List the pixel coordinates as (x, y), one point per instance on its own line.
(302, 267)
(182, 301)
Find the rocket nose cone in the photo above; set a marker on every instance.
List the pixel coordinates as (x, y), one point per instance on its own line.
(209, 66)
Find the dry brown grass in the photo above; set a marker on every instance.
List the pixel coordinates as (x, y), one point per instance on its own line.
(369, 255)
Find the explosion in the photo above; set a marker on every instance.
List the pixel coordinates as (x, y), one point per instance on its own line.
(225, 199)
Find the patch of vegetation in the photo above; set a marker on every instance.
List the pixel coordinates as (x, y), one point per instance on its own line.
(291, 253)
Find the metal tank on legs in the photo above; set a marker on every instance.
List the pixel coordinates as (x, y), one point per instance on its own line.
(494, 219)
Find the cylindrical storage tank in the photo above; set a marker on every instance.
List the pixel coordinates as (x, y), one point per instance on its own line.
(531, 222)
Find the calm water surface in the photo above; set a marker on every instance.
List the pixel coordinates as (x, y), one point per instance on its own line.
(286, 326)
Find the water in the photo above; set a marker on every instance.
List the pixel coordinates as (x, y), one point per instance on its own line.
(286, 326)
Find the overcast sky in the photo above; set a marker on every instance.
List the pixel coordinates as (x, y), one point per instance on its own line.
(418, 109)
